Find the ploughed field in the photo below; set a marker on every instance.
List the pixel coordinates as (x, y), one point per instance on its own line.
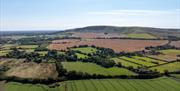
(158, 84)
(117, 45)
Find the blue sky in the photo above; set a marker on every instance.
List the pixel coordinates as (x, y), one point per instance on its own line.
(64, 14)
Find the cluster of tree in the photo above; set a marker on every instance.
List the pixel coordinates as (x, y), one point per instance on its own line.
(163, 47)
(41, 48)
(33, 56)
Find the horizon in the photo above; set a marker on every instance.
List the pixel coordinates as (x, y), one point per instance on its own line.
(18, 15)
(77, 27)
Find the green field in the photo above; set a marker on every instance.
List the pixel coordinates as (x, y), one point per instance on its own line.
(171, 67)
(4, 52)
(92, 68)
(176, 75)
(158, 84)
(150, 60)
(79, 55)
(147, 36)
(125, 63)
(144, 63)
(86, 50)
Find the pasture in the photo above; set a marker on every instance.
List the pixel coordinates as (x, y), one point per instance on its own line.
(143, 35)
(158, 84)
(86, 50)
(81, 56)
(148, 59)
(171, 67)
(92, 68)
(137, 61)
(125, 63)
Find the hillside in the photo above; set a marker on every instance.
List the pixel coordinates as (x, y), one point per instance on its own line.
(128, 30)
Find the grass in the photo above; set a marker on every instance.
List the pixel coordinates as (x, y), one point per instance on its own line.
(92, 68)
(144, 35)
(144, 63)
(4, 52)
(27, 46)
(158, 84)
(42, 53)
(125, 63)
(171, 67)
(176, 75)
(86, 50)
(148, 59)
(81, 56)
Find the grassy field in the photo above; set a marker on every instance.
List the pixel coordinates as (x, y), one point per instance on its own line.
(176, 75)
(92, 68)
(175, 66)
(147, 36)
(4, 52)
(159, 84)
(137, 61)
(168, 55)
(150, 60)
(79, 55)
(86, 50)
(125, 63)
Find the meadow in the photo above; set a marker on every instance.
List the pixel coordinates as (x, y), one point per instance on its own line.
(171, 67)
(92, 68)
(143, 35)
(158, 84)
(85, 50)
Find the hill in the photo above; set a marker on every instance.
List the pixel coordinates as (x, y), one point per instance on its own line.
(162, 32)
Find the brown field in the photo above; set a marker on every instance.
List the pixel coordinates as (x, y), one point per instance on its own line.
(116, 44)
(94, 35)
(22, 69)
(175, 43)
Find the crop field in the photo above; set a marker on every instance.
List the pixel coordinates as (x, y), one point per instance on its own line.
(145, 63)
(117, 45)
(149, 59)
(125, 63)
(86, 50)
(175, 43)
(32, 70)
(171, 67)
(92, 68)
(167, 55)
(147, 36)
(79, 55)
(158, 84)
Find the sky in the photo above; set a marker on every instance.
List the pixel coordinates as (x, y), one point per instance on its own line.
(66, 14)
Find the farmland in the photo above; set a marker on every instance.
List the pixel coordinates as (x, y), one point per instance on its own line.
(171, 67)
(175, 43)
(140, 62)
(95, 69)
(146, 36)
(86, 50)
(125, 63)
(116, 44)
(90, 61)
(164, 84)
(167, 55)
